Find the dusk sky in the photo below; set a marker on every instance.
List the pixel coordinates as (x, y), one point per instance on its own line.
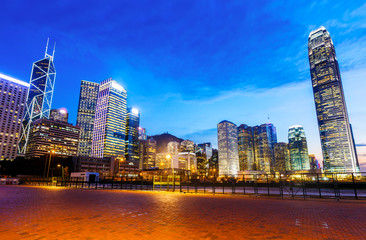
(187, 65)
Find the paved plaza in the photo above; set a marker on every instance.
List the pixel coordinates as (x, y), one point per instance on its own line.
(64, 213)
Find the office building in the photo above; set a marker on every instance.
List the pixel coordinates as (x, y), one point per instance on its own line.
(206, 149)
(132, 136)
(298, 148)
(40, 93)
(187, 146)
(173, 148)
(282, 157)
(59, 115)
(110, 121)
(336, 138)
(142, 133)
(85, 117)
(48, 136)
(255, 145)
(13, 94)
(246, 148)
(228, 148)
(147, 153)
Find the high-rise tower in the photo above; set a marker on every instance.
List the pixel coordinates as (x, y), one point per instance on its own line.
(110, 121)
(38, 105)
(13, 94)
(132, 136)
(299, 156)
(86, 113)
(228, 148)
(335, 132)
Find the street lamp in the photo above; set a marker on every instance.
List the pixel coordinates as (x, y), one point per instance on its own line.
(49, 162)
(62, 169)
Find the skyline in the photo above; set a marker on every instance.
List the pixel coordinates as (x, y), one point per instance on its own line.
(188, 108)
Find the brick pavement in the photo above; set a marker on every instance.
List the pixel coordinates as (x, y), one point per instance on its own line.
(61, 213)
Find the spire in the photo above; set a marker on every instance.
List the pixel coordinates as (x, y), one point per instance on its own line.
(268, 119)
(54, 47)
(45, 54)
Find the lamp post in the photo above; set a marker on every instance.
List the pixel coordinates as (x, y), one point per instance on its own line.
(62, 169)
(49, 162)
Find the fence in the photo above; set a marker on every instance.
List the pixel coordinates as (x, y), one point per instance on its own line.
(326, 185)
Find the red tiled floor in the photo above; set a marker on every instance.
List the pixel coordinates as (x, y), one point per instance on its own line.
(59, 213)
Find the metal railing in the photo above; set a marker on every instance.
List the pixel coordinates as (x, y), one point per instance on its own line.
(325, 185)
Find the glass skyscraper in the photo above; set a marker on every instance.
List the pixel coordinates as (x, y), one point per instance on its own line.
(86, 113)
(256, 147)
(299, 156)
(38, 104)
(13, 94)
(282, 157)
(228, 148)
(110, 121)
(336, 138)
(132, 136)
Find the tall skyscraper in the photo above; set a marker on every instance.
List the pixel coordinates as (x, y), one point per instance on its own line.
(13, 94)
(228, 148)
(85, 117)
(256, 147)
(264, 138)
(38, 105)
(335, 132)
(298, 147)
(132, 136)
(246, 148)
(110, 121)
(282, 157)
(59, 115)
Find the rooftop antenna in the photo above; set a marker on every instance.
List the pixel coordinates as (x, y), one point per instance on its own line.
(54, 47)
(268, 119)
(45, 54)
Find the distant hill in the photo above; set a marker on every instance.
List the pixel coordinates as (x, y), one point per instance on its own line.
(162, 141)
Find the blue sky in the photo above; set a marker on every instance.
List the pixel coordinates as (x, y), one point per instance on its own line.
(187, 65)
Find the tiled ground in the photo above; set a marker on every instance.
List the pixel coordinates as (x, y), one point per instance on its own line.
(59, 213)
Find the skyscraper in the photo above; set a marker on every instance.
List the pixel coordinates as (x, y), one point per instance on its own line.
(282, 157)
(264, 138)
(59, 115)
(86, 113)
(132, 136)
(147, 152)
(228, 148)
(246, 148)
(110, 121)
(13, 94)
(40, 94)
(298, 147)
(335, 132)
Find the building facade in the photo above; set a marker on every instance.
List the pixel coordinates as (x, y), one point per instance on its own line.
(228, 148)
(132, 136)
(48, 136)
(40, 93)
(110, 121)
(255, 145)
(147, 153)
(282, 157)
(339, 154)
(13, 94)
(85, 117)
(246, 148)
(298, 148)
(59, 115)
(205, 148)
